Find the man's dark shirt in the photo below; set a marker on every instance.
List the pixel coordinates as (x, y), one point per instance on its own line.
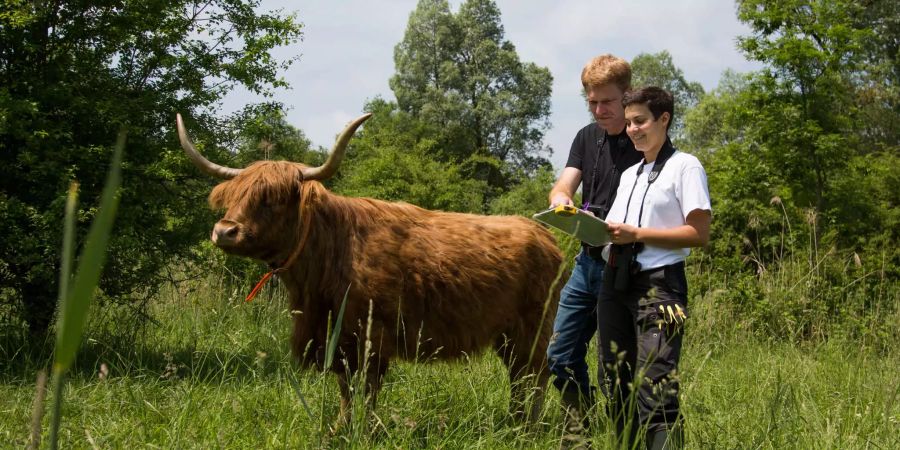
(600, 179)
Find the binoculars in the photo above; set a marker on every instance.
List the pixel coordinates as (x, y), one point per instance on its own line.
(623, 264)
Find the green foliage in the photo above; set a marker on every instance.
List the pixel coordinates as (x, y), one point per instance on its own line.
(458, 73)
(526, 198)
(816, 295)
(811, 48)
(394, 157)
(658, 69)
(260, 132)
(799, 157)
(781, 145)
(71, 74)
(712, 123)
(878, 84)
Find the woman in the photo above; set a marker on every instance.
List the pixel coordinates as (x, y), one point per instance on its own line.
(661, 209)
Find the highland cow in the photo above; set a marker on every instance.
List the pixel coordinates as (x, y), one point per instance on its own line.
(419, 284)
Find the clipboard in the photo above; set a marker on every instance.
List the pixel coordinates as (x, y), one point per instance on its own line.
(575, 222)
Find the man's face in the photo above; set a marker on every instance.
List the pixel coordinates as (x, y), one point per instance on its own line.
(605, 103)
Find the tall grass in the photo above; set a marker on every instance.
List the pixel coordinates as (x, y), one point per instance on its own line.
(217, 372)
(806, 290)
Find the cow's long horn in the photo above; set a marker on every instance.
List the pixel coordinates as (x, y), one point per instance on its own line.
(337, 152)
(207, 166)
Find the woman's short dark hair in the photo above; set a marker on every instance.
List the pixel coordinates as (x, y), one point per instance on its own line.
(657, 100)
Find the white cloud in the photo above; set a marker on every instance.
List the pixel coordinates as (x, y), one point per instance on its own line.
(348, 47)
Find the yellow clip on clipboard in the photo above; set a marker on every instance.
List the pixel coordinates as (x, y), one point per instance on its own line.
(575, 222)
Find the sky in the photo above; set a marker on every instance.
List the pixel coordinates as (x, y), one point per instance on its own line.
(346, 56)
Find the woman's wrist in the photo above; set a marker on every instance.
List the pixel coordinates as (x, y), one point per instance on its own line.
(638, 234)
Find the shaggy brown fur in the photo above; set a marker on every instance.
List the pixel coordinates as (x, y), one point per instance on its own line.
(441, 285)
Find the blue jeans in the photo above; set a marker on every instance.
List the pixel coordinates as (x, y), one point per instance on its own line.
(575, 325)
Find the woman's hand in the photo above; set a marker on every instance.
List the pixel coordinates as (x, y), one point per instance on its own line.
(622, 233)
(694, 233)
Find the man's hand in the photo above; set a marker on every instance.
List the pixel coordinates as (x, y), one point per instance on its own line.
(565, 187)
(560, 199)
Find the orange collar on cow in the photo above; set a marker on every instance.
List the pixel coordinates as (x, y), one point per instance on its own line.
(306, 219)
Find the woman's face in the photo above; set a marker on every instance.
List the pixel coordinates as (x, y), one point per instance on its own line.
(647, 133)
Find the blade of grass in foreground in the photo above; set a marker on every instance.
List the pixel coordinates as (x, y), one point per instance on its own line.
(75, 302)
(330, 349)
(65, 266)
(332, 343)
(65, 274)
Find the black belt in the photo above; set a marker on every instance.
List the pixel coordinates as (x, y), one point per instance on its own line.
(677, 266)
(594, 252)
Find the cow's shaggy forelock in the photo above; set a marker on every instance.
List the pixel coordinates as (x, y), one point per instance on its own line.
(263, 182)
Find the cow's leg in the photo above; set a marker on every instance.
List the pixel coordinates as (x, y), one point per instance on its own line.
(374, 378)
(343, 418)
(349, 382)
(527, 376)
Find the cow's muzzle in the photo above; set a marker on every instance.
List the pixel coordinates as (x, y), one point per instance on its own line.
(226, 233)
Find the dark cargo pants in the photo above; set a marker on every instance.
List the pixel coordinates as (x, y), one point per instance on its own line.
(639, 351)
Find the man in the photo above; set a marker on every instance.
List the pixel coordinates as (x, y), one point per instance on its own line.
(600, 152)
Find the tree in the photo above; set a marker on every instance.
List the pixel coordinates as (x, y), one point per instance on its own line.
(457, 71)
(394, 157)
(527, 197)
(659, 70)
(261, 132)
(72, 73)
(879, 81)
(800, 163)
(811, 49)
(785, 145)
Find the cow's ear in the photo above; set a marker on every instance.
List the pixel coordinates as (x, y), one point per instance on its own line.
(300, 178)
(218, 198)
(308, 191)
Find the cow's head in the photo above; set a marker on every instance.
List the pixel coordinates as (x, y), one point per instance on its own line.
(262, 202)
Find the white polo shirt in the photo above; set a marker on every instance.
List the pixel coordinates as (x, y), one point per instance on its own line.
(679, 189)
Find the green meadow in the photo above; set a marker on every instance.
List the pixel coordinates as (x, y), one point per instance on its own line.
(214, 372)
